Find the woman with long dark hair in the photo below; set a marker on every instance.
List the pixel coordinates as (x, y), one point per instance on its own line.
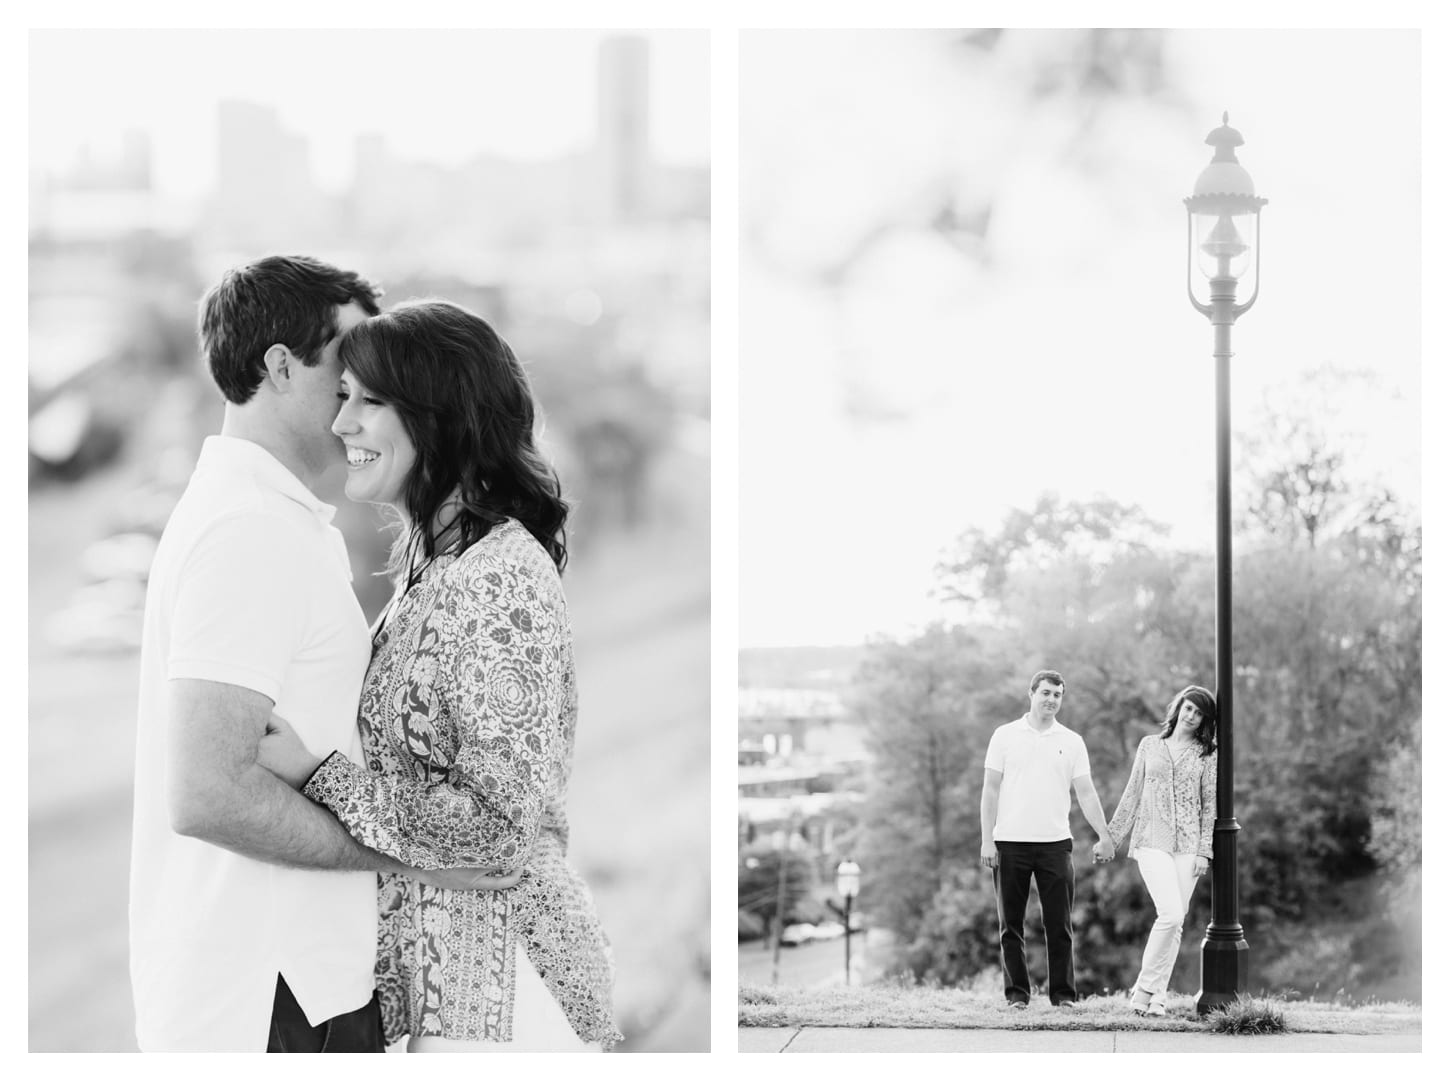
(468, 708)
(1166, 816)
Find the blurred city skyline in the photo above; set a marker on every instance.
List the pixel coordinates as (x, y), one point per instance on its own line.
(463, 192)
(577, 248)
(534, 95)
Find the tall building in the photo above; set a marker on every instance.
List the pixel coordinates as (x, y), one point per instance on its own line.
(105, 192)
(622, 147)
(264, 181)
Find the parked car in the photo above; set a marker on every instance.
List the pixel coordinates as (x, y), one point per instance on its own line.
(796, 934)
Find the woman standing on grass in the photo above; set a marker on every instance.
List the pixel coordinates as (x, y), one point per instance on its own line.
(1166, 815)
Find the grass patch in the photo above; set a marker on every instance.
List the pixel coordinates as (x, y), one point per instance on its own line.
(904, 1006)
(1248, 1016)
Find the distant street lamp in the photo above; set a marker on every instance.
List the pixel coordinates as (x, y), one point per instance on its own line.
(1223, 230)
(848, 884)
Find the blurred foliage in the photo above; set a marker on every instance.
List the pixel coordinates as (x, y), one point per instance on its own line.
(919, 817)
(768, 879)
(1327, 617)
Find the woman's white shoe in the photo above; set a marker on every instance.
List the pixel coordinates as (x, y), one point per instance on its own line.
(1157, 1006)
(1140, 1001)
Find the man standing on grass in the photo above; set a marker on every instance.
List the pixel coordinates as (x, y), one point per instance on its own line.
(1032, 764)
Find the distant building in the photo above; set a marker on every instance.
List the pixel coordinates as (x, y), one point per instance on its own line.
(622, 147)
(611, 202)
(793, 723)
(265, 192)
(801, 762)
(100, 196)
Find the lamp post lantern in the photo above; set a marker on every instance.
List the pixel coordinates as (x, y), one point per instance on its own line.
(1223, 235)
(848, 884)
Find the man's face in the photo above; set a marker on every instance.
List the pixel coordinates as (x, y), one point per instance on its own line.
(316, 388)
(1046, 700)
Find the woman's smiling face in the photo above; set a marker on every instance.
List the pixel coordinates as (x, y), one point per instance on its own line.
(1189, 718)
(380, 455)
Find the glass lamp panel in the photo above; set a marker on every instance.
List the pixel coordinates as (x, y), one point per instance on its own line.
(1223, 243)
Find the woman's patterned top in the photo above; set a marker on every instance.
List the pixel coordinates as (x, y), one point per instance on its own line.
(467, 719)
(1169, 804)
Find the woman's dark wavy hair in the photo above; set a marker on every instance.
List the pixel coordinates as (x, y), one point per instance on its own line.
(1206, 706)
(465, 402)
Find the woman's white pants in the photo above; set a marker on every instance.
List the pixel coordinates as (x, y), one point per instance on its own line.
(1170, 880)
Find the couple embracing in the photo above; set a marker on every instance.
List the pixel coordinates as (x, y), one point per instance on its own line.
(1165, 815)
(345, 839)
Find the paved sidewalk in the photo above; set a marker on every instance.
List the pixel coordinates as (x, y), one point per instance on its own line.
(781, 1040)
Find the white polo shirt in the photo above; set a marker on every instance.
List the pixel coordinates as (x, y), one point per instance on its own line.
(1038, 769)
(251, 587)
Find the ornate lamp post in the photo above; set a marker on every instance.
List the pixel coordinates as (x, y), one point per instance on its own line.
(1223, 232)
(848, 884)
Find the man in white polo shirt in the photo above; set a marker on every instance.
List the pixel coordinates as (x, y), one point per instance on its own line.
(253, 912)
(1032, 765)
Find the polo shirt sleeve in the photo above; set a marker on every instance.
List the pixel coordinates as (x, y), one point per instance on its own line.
(996, 753)
(240, 604)
(1080, 767)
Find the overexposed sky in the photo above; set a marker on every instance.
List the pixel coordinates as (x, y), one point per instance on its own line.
(929, 393)
(436, 95)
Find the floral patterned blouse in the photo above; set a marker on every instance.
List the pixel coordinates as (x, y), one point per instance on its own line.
(467, 719)
(1169, 803)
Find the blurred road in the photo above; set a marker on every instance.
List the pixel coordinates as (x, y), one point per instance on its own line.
(812, 964)
(639, 801)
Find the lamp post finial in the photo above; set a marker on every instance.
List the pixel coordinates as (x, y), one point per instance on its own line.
(1223, 140)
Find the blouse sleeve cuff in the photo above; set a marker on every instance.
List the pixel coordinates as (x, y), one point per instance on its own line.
(331, 780)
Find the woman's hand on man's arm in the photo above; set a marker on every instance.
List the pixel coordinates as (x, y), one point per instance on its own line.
(282, 753)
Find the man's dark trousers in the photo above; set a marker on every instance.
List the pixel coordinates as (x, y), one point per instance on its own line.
(360, 1030)
(1050, 862)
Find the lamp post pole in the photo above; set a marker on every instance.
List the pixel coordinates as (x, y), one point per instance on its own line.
(848, 884)
(1223, 200)
(782, 850)
(1224, 946)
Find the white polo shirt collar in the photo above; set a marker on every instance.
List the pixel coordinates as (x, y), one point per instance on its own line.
(228, 452)
(1026, 722)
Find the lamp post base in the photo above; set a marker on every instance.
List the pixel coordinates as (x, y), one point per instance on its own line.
(1225, 970)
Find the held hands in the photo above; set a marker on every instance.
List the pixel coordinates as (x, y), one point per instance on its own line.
(1104, 850)
(281, 752)
(989, 853)
(1200, 866)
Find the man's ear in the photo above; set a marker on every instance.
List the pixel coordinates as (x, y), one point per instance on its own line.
(279, 361)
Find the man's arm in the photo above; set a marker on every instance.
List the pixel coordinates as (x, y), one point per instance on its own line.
(991, 793)
(1087, 799)
(217, 792)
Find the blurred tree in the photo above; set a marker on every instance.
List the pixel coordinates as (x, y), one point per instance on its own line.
(925, 730)
(758, 884)
(957, 936)
(1327, 713)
